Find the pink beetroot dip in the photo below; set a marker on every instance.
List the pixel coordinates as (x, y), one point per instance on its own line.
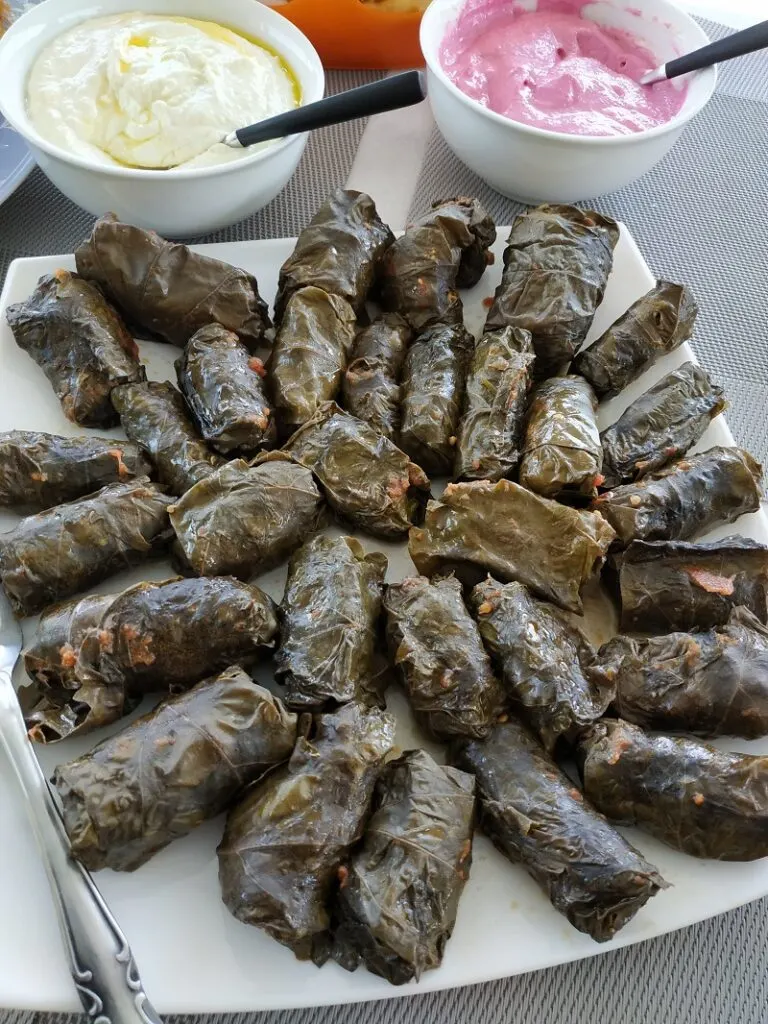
(556, 69)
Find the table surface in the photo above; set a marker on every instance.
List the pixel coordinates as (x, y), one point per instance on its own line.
(677, 979)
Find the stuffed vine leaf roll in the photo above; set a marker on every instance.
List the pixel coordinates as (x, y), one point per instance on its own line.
(339, 251)
(69, 548)
(171, 770)
(434, 381)
(713, 683)
(442, 251)
(329, 620)
(169, 635)
(286, 845)
(436, 647)
(52, 657)
(222, 384)
(371, 386)
(312, 347)
(674, 585)
(543, 660)
(38, 471)
(475, 254)
(366, 479)
(79, 342)
(155, 417)
(655, 325)
(512, 533)
(168, 290)
(397, 906)
(661, 425)
(63, 699)
(245, 519)
(690, 496)
(562, 451)
(94, 659)
(703, 801)
(491, 428)
(533, 813)
(556, 267)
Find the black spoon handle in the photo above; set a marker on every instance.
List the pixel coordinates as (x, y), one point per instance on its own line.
(736, 45)
(388, 94)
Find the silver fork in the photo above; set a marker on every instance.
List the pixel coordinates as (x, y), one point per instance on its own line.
(102, 965)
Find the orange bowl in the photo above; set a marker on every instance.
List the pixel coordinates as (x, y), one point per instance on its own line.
(360, 33)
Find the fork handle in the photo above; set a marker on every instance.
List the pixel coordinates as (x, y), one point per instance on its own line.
(101, 962)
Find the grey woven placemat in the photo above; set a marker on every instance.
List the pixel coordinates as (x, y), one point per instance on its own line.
(698, 217)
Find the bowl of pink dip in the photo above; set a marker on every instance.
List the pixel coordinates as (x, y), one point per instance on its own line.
(542, 99)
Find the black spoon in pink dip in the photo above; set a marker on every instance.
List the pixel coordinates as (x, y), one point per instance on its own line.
(737, 45)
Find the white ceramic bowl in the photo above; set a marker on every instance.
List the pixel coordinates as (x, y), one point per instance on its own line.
(181, 202)
(534, 165)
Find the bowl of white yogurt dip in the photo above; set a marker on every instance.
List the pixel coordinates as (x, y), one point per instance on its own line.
(125, 108)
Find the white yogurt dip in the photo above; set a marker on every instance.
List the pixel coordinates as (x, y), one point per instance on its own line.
(152, 91)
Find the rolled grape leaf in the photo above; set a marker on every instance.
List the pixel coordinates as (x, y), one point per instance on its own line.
(703, 801)
(166, 288)
(442, 251)
(476, 256)
(339, 251)
(562, 453)
(286, 845)
(51, 659)
(167, 636)
(661, 425)
(556, 267)
(69, 548)
(675, 585)
(155, 417)
(63, 700)
(171, 770)
(329, 623)
(543, 660)
(536, 817)
(38, 471)
(366, 479)
(310, 355)
(690, 496)
(655, 325)
(434, 382)
(507, 531)
(397, 905)
(436, 647)
(223, 387)
(245, 519)
(371, 386)
(491, 428)
(713, 683)
(93, 660)
(80, 343)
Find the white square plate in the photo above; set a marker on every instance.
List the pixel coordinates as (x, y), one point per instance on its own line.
(194, 957)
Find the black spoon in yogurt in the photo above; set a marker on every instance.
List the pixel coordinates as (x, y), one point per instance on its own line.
(392, 93)
(736, 45)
